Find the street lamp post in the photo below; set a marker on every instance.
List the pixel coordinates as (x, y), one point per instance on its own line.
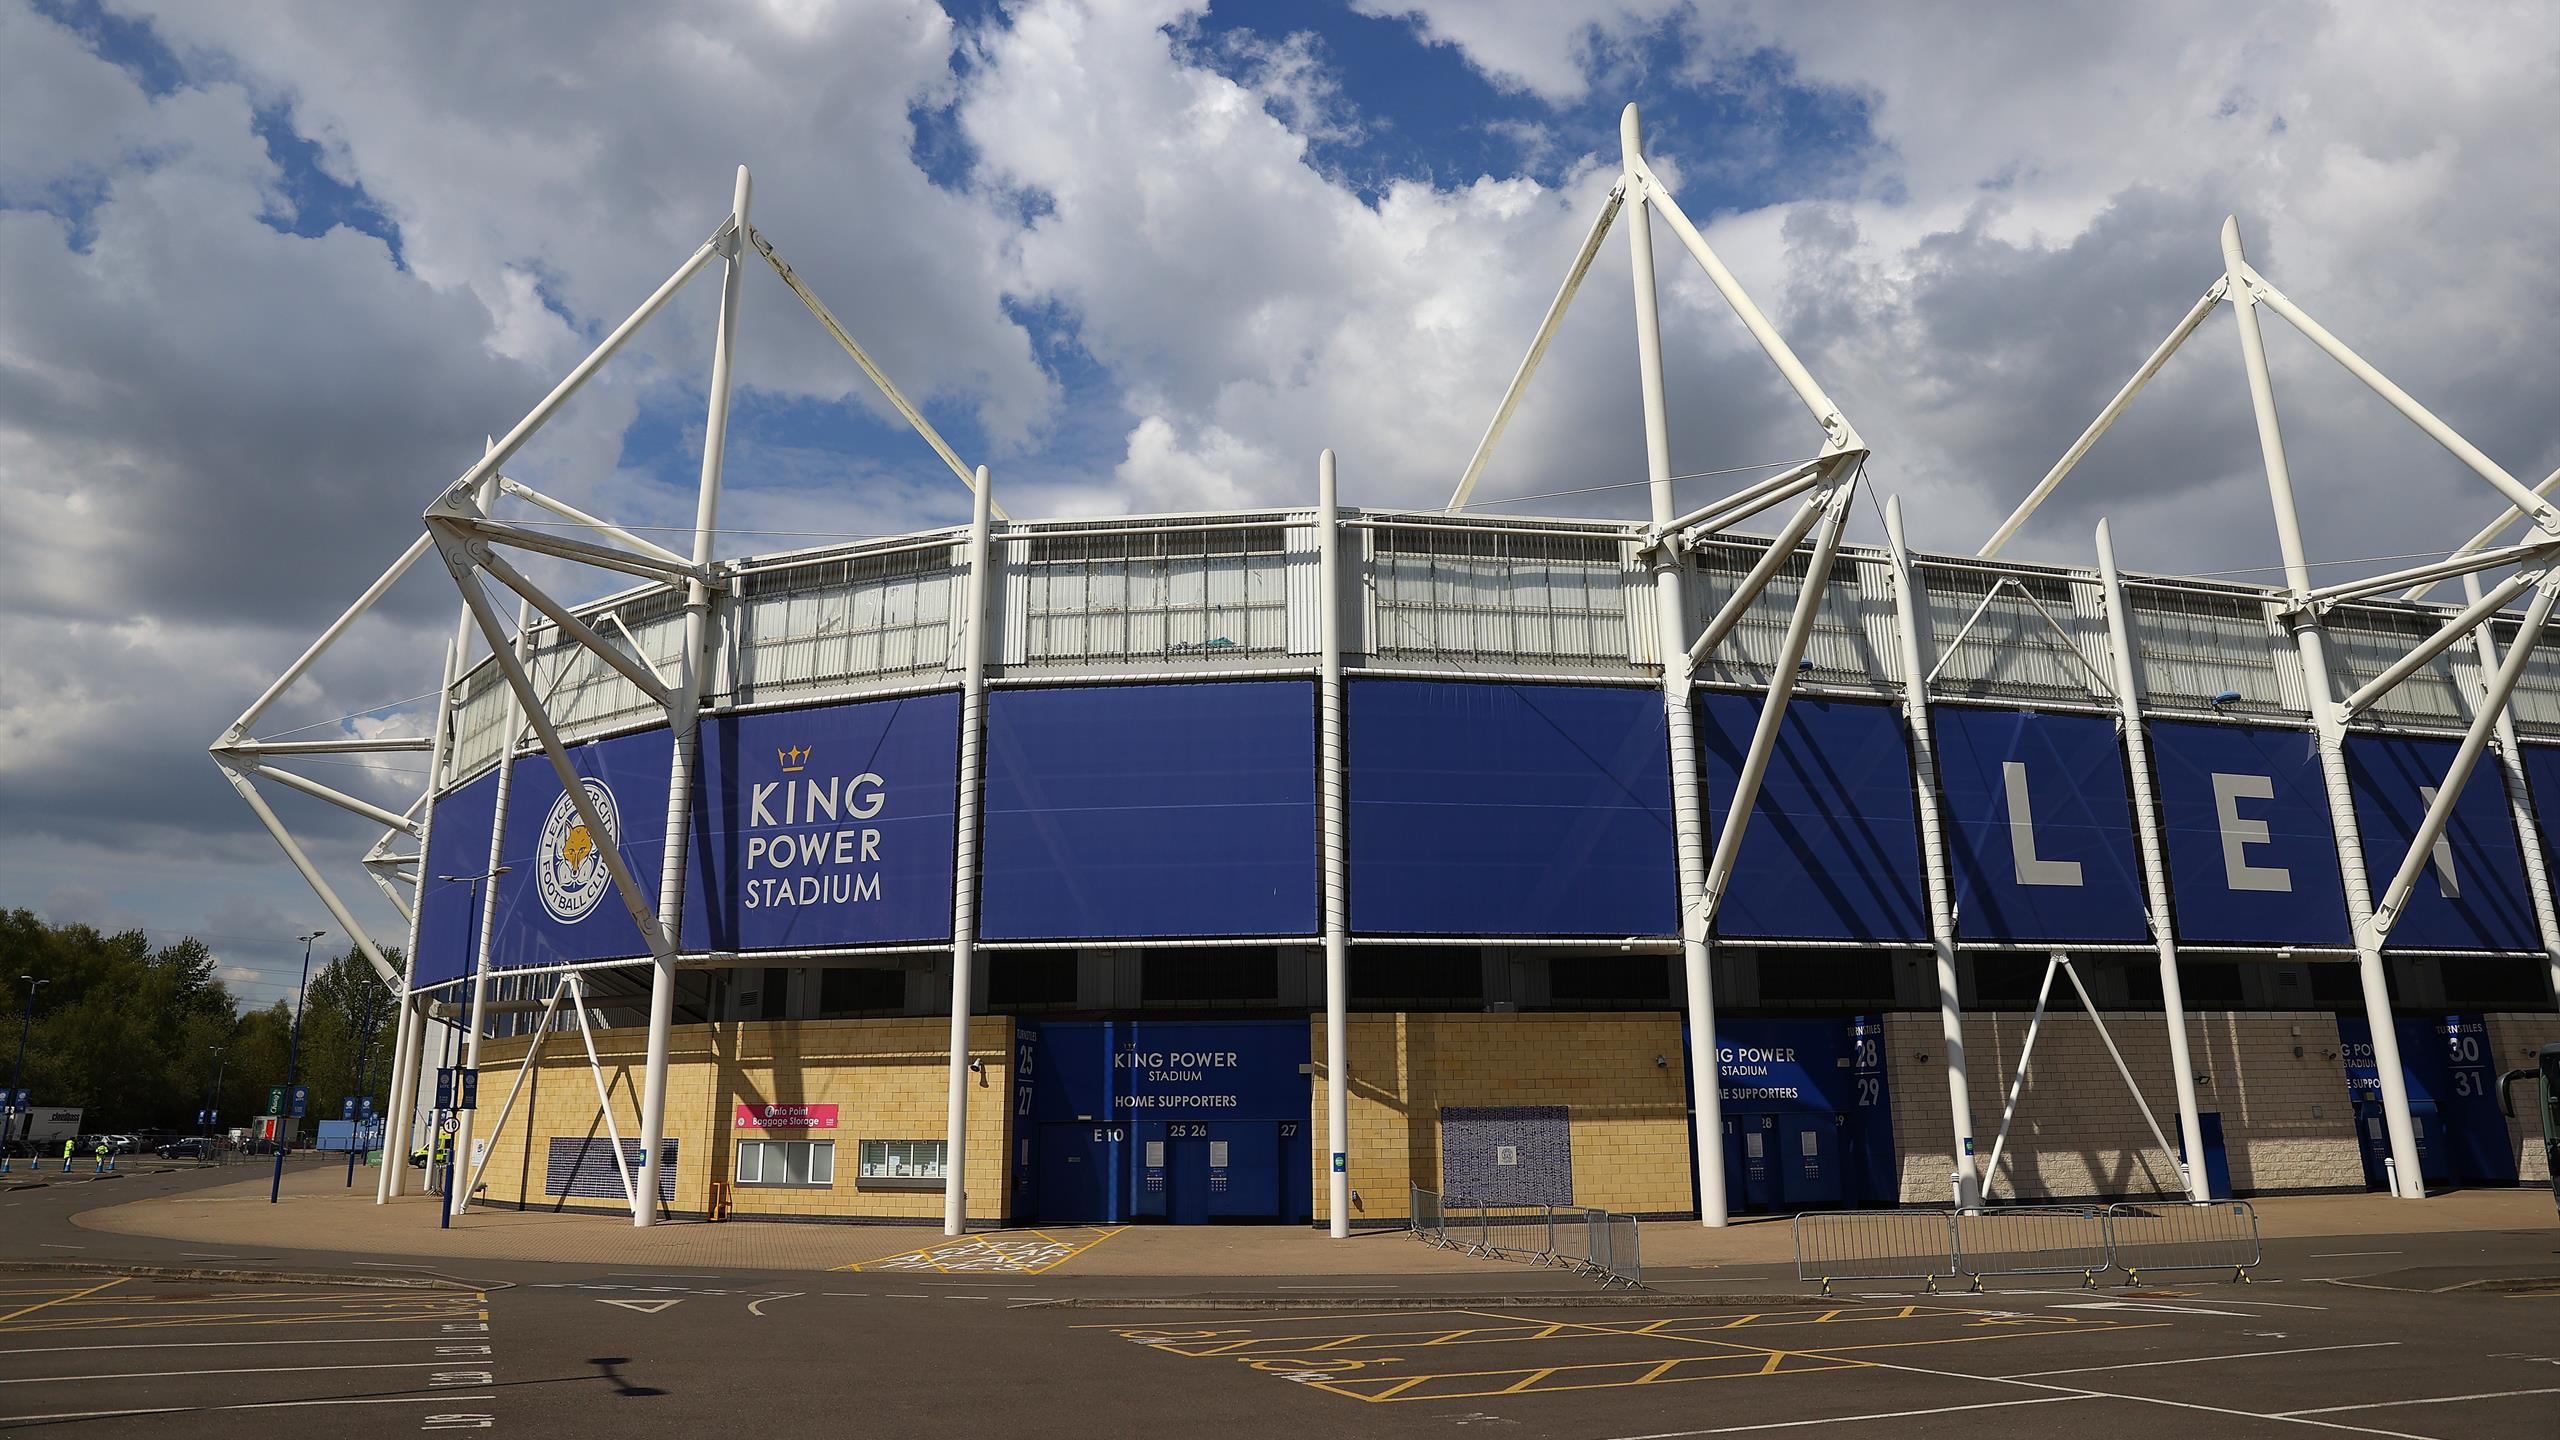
(213, 1102)
(19, 1076)
(292, 1062)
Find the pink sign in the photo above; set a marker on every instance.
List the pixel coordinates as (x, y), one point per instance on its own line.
(785, 1117)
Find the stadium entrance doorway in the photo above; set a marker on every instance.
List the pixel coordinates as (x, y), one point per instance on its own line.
(1185, 1122)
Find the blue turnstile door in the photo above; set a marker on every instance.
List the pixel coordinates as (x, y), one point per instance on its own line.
(1808, 1161)
(1186, 1174)
(1075, 1175)
(1760, 1188)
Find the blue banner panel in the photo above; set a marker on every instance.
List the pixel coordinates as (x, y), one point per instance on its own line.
(1481, 809)
(2039, 826)
(1138, 810)
(825, 827)
(2244, 815)
(556, 903)
(2542, 782)
(2472, 897)
(457, 844)
(1833, 849)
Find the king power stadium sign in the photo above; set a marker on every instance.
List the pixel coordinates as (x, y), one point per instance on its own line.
(829, 826)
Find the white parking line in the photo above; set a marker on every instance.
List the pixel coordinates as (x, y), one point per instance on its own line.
(2195, 1360)
(2430, 1400)
(1853, 1419)
(250, 1370)
(441, 1398)
(225, 1344)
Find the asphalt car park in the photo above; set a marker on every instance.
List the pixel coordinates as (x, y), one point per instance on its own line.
(2429, 1336)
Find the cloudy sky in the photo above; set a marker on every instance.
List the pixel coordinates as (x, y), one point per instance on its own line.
(269, 274)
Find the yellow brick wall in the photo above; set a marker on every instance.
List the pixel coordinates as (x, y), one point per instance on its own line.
(887, 1079)
(1629, 1117)
(2514, 1040)
(2286, 1120)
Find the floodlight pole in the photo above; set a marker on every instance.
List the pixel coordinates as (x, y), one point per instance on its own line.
(2537, 869)
(684, 716)
(2329, 729)
(1331, 760)
(1671, 620)
(1910, 609)
(979, 589)
(2155, 866)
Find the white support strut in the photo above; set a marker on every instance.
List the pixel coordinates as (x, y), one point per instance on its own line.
(2155, 867)
(1688, 794)
(2107, 416)
(1910, 613)
(684, 718)
(979, 590)
(1538, 346)
(1332, 763)
(2329, 724)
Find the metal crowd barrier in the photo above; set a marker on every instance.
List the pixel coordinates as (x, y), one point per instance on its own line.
(1876, 1245)
(1429, 1217)
(2083, 1240)
(2033, 1240)
(1598, 1243)
(2185, 1235)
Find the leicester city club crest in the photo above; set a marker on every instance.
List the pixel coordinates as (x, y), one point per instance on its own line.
(569, 867)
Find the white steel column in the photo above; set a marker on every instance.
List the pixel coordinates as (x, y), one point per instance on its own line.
(964, 864)
(403, 1057)
(2537, 870)
(693, 682)
(1331, 758)
(2330, 729)
(2155, 865)
(1910, 611)
(1671, 620)
(485, 894)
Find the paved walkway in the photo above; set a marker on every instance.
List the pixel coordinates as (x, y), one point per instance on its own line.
(318, 1214)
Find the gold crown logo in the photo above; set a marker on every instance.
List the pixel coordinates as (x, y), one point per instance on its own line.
(794, 758)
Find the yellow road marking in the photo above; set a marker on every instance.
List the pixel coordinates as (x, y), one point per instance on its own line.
(61, 1299)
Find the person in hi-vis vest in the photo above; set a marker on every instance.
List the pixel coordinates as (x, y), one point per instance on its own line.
(69, 1148)
(106, 1155)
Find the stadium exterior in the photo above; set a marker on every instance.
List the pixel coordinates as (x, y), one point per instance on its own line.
(1262, 864)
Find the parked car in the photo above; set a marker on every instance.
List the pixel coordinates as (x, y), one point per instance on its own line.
(194, 1147)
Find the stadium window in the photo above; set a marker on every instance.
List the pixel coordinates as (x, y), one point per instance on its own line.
(1828, 979)
(794, 1164)
(1031, 979)
(2337, 985)
(2208, 986)
(856, 992)
(774, 998)
(2006, 982)
(1419, 977)
(900, 1164)
(1217, 975)
(1617, 982)
(2495, 982)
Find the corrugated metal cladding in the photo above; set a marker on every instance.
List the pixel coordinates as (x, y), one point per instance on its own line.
(1491, 806)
